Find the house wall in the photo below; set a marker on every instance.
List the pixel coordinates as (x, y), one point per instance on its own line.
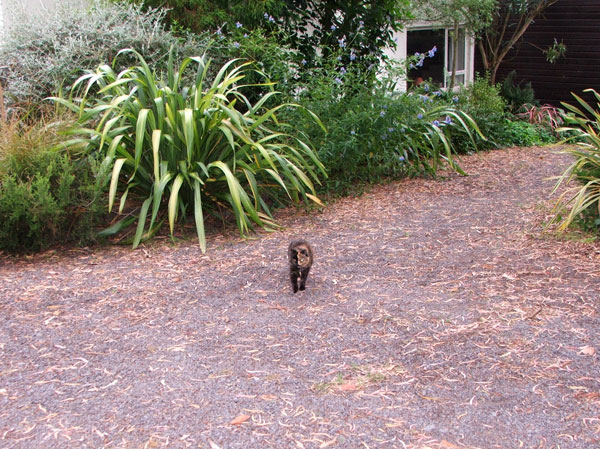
(577, 24)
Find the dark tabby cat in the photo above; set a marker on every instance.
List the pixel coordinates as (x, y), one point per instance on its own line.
(301, 259)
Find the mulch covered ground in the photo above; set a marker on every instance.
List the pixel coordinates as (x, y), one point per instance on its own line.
(438, 314)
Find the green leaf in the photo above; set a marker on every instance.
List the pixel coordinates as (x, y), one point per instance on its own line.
(141, 222)
(198, 215)
(112, 191)
(173, 200)
(140, 134)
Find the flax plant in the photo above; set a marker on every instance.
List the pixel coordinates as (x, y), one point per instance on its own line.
(583, 128)
(429, 143)
(178, 147)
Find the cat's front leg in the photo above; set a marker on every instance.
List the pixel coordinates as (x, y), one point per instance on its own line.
(294, 280)
(303, 278)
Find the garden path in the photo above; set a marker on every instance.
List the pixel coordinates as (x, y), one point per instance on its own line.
(438, 315)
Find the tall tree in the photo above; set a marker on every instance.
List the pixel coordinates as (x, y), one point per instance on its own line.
(311, 25)
(510, 21)
(472, 16)
(366, 26)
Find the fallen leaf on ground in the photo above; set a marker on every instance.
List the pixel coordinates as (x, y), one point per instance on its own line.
(327, 443)
(349, 386)
(239, 420)
(587, 350)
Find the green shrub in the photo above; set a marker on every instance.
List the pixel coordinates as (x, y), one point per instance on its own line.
(272, 60)
(43, 53)
(46, 197)
(175, 149)
(518, 94)
(514, 132)
(583, 200)
(374, 133)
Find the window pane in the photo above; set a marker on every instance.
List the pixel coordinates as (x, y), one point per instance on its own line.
(460, 60)
(421, 41)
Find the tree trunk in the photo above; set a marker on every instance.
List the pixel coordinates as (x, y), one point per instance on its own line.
(496, 47)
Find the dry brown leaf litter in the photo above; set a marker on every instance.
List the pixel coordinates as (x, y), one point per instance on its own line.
(438, 315)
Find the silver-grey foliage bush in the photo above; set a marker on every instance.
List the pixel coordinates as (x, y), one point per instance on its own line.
(39, 55)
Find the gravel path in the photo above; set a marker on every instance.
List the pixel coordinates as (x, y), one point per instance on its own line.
(438, 315)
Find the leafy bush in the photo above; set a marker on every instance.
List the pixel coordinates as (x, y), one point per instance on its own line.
(482, 101)
(190, 143)
(514, 132)
(488, 108)
(374, 133)
(583, 200)
(41, 54)
(544, 115)
(271, 58)
(45, 196)
(518, 94)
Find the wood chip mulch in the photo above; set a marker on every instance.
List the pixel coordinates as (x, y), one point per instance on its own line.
(438, 314)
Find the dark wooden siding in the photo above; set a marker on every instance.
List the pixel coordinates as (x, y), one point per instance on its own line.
(577, 24)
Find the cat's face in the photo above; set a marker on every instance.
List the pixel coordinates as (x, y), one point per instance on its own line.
(303, 257)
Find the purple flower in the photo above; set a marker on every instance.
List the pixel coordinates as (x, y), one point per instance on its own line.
(391, 130)
(437, 93)
(436, 123)
(333, 27)
(338, 80)
(304, 62)
(352, 56)
(448, 120)
(343, 70)
(382, 113)
(431, 52)
(426, 88)
(455, 99)
(236, 44)
(401, 158)
(352, 133)
(238, 25)
(419, 116)
(341, 43)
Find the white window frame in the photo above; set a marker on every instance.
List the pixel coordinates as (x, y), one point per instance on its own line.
(469, 62)
(400, 53)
